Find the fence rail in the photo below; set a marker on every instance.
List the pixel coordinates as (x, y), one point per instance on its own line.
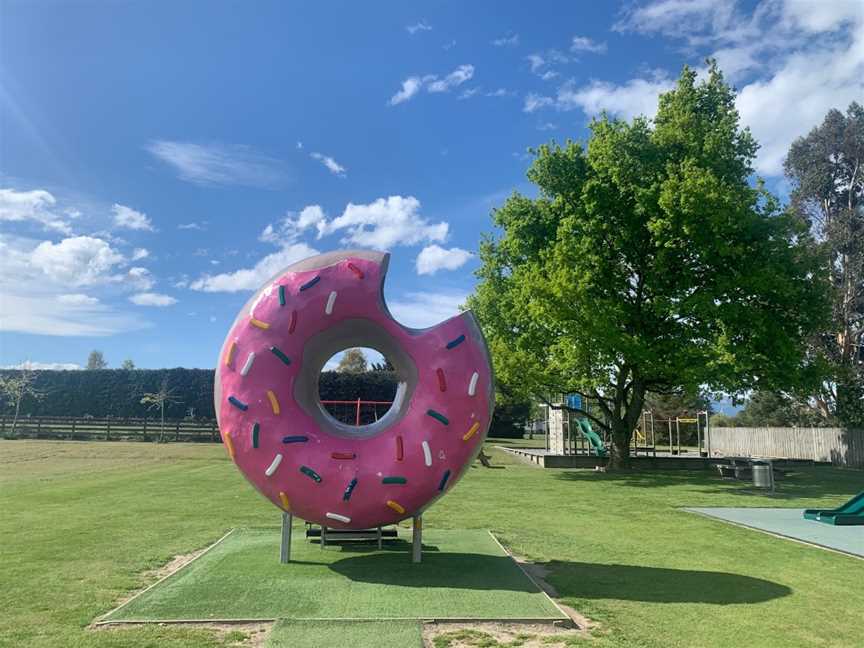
(109, 429)
(839, 446)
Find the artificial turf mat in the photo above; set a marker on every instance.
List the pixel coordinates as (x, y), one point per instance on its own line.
(347, 634)
(464, 574)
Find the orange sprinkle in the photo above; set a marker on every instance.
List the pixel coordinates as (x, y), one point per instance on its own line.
(342, 455)
(471, 431)
(396, 506)
(226, 437)
(357, 271)
(293, 322)
(230, 355)
(274, 402)
(286, 503)
(262, 325)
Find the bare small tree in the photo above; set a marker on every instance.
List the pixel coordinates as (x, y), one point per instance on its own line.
(15, 388)
(157, 400)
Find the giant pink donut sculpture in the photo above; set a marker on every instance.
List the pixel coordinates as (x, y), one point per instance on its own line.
(303, 460)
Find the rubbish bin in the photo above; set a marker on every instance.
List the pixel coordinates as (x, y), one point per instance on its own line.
(763, 474)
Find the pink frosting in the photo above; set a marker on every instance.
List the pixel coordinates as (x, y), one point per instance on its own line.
(358, 297)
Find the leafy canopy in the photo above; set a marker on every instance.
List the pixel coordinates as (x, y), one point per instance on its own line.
(649, 262)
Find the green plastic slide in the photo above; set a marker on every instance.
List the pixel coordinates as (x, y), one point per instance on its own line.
(593, 438)
(851, 513)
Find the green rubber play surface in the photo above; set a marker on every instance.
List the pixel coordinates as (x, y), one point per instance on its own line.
(790, 523)
(464, 574)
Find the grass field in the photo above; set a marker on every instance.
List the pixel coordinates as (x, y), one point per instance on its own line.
(82, 523)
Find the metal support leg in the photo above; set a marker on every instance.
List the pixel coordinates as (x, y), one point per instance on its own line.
(285, 549)
(417, 539)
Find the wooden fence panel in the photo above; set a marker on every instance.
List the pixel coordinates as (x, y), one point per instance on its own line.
(839, 446)
(93, 429)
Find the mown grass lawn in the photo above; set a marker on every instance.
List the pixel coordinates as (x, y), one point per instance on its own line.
(80, 524)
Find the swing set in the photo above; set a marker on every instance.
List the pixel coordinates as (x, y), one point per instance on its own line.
(654, 434)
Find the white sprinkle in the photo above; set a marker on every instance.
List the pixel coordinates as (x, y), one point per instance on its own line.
(340, 518)
(472, 386)
(248, 364)
(427, 454)
(273, 466)
(330, 301)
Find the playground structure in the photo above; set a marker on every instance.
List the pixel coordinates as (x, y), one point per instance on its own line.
(849, 514)
(348, 477)
(570, 433)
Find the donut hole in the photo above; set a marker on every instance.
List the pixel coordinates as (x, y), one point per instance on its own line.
(357, 386)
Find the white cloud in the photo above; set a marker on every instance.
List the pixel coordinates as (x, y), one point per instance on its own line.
(434, 258)
(418, 27)
(584, 44)
(385, 223)
(193, 226)
(332, 165)
(448, 46)
(536, 102)
(219, 164)
(152, 299)
(299, 146)
(77, 299)
(128, 218)
(424, 309)
(36, 205)
(140, 253)
(536, 62)
(248, 279)
(77, 261)
(410, 87)
(456, 78)
(628, 100)
(507, 41)
(35, 283)
(45, 366)
(432, 83)
(139, 279)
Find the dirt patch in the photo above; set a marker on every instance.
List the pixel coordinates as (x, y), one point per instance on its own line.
(470, 635)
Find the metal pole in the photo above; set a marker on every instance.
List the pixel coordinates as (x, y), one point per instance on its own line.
(357, 416)
(669, 421)
(417, 539)
(285, 549)
(678, 433)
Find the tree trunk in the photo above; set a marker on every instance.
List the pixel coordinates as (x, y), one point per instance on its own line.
(15, 418)
(621, 433)
(162, 426)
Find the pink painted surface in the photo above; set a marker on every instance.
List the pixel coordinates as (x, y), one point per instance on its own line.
(376, 456)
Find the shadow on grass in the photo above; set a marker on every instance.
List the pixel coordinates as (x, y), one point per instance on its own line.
(449, 570)
(659, 585)
(799, 483)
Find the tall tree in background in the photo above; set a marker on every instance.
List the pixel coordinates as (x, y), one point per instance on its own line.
(96, 360)
(353, 361)
(128, 364)
(16, 388)
(158, 400)
(649, 262)
(827, 172)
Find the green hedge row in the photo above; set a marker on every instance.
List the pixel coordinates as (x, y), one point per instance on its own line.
(118, 392)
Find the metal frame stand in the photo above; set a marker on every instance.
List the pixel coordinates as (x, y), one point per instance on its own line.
(417, 539)
(285, 549)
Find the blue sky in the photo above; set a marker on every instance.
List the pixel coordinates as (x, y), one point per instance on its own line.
(158, 161)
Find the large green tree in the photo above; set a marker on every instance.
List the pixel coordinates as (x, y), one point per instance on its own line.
(649, 262)
(826, 169)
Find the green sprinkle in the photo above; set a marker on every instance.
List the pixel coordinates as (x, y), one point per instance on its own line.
(394, 480)
(438, 416)
(278, 353)
(255, 429)
(281, 295)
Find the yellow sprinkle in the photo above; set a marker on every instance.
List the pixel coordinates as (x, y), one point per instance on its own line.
(274, 403)
(230, 355)
(471, 431)
(262, 325)
(226, 436)
(286, 504)
(396, 506)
